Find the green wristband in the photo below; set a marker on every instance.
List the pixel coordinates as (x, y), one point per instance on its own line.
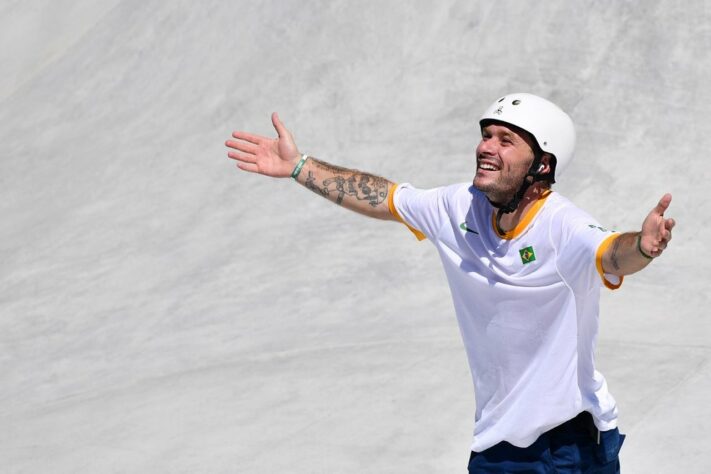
(299, 165)
(639, 247)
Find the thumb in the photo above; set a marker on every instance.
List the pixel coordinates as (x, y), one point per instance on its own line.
(662, 205)
(278, 126)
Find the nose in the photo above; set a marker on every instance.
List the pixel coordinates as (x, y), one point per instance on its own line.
(486, 147)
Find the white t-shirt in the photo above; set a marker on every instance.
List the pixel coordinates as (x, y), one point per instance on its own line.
(527, 305)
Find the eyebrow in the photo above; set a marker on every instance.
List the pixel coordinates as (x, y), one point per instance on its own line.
(510, 135)
(505, 133)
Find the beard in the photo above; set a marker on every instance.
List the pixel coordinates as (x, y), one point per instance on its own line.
(500, 188)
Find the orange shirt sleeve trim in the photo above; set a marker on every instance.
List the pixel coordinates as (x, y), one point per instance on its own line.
(598, 261)
(393, 211)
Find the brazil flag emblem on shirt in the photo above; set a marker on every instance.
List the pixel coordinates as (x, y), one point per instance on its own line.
(527, 255)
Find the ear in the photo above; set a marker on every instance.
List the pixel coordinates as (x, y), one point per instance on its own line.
(545, 167)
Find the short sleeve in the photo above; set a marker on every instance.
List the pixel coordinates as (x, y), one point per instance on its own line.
(581, 244)
(422, 211)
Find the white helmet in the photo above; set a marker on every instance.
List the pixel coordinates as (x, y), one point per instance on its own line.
(550, 126)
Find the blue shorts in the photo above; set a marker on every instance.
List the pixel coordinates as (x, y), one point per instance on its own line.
(573, 447)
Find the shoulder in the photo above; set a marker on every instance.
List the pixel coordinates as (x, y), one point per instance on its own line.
(460, 191)
(456, 190)
(562, 210)
(569, 223)
(444, 193)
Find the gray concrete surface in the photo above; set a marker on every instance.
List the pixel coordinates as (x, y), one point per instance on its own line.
(161, 311)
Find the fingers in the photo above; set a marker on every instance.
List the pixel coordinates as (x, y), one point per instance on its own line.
(663, 204)
(278, 126)
(244, 146)
(251, 167)
(249, 137)
(666, 232)
(665, 236)
(241, 157)
(245, 162)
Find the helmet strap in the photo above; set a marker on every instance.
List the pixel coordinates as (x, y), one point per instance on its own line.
(531, 177)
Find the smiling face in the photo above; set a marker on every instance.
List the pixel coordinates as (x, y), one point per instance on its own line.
(503, 159)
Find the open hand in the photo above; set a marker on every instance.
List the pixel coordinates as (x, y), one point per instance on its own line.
(656, 230)
(274, 157)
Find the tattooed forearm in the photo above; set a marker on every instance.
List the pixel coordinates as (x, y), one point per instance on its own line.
(622, 257)
(342, 182)
(322, 165)
(355, 190)
(373, 189)
(615, 249)
(311, 184)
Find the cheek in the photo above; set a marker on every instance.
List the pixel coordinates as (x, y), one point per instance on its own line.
(508, 162)
(517, 162)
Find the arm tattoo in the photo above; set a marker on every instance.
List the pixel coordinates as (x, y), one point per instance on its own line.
(613, 257)
(345, 182)
(329, 167)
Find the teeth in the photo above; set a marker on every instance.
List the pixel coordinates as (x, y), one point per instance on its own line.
(488, 167)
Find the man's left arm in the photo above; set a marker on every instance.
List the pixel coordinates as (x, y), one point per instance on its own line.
(632, 251)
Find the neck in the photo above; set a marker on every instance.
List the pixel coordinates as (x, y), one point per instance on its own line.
(507, 222)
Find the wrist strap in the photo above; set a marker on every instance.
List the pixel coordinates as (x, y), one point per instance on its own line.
(639, 247)
(299, 165)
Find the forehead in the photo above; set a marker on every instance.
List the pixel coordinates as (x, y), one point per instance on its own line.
(506, 129)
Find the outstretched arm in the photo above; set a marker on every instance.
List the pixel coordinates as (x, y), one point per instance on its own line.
(632, 251)
(278, 157)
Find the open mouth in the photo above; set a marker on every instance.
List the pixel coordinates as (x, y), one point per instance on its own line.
(487, 166)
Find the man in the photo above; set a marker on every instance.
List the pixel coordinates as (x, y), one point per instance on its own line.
(525, 268)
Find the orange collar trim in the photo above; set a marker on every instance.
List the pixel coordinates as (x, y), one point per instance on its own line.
(523, 223)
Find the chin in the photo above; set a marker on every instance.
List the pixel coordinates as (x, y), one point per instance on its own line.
(492, 191)
(482, 185)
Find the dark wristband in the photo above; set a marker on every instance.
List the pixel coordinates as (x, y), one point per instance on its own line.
(639, 247)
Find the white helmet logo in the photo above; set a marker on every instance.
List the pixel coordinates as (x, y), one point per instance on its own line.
(499, 111)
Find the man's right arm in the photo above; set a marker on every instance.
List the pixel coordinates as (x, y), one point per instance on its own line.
(361, 192)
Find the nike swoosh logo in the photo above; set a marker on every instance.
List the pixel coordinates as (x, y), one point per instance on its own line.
(463, 226)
